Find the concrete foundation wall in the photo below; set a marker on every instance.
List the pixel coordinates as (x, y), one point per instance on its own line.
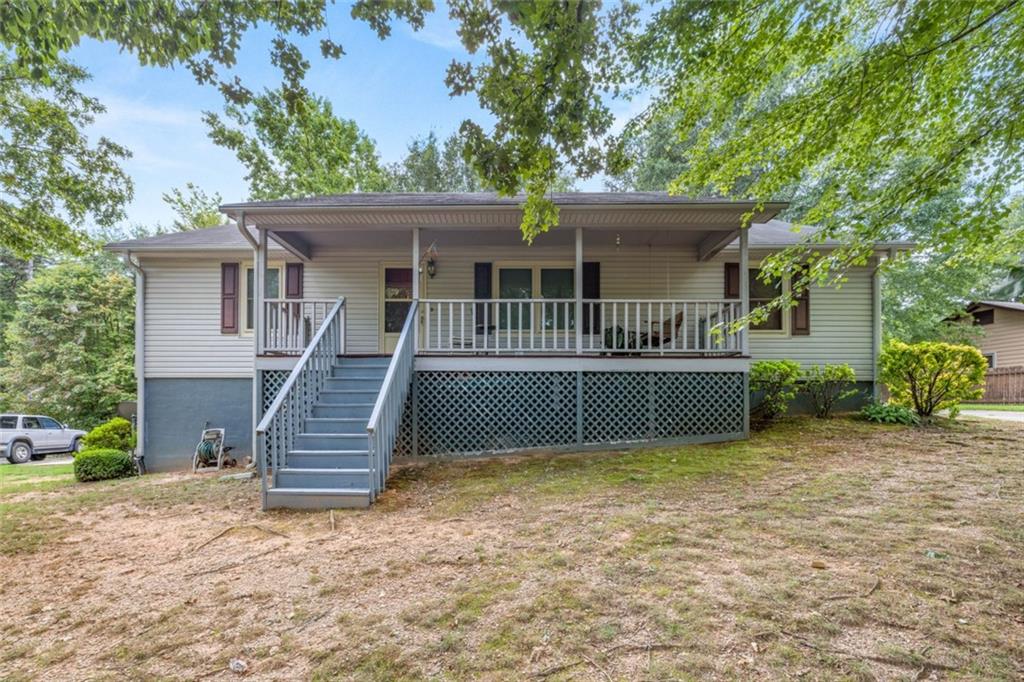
(177, 410)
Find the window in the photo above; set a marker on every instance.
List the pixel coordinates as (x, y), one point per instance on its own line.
(991, 357)
(50, 423)
(762, 293)
(984, 316)
(515, 282)
(30, 423)
(8, 422)
(271, 289)
(397, 298)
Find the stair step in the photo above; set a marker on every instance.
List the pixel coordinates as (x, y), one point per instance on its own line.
(362, 410)
(322, 478)
(331, 441)
(347, 396)
(317, 498)
(327, 459)
(365, 361)
(359, 371)
(353, 384)
(336, 425)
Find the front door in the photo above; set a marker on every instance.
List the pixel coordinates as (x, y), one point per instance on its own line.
(396, 297)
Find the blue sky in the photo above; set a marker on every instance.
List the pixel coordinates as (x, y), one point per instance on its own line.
(394, 90)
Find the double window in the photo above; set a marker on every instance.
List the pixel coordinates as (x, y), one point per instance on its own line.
(529, 282)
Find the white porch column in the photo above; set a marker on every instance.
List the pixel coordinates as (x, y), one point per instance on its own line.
(745, 288)
(258, 279)
(415, 285)
(578, 290)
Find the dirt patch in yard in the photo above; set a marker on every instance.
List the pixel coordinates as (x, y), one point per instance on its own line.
(815, 550)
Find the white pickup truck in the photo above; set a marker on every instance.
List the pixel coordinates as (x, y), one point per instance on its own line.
(25, 436)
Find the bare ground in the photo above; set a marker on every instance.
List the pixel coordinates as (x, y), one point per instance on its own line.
(836, 550)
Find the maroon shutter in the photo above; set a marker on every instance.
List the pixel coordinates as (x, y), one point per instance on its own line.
(293, 273)
(732, 280)
(802, 306)
(229, 298)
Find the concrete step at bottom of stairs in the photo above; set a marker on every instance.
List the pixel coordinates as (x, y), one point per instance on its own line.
(318, 498)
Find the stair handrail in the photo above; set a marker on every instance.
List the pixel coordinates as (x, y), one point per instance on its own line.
(294, 402)
(386, 418)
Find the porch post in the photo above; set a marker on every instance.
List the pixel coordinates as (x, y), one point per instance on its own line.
(745, 288)
(415, 284)
(578, 290)
(258, 279)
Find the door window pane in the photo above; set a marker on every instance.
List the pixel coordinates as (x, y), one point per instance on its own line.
(398, 283)
(514, 283)
(395, 313)
(30, 423)
(50, 423)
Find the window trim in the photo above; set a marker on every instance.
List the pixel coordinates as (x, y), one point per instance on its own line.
(243, 289)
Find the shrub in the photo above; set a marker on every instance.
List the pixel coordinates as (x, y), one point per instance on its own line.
(777, 380)
(889, 413)
(115, 434)
(103, 463)
(826, 385)
(932, 376)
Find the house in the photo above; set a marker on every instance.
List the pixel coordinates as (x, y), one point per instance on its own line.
(1003, 324)
(333, 334)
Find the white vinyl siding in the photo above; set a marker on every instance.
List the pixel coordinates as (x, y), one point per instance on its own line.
(183, 325)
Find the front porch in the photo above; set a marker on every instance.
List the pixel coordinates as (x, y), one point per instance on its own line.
(610, 331)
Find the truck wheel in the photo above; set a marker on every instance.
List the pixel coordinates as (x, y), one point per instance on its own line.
(20, 452)
(77, 446)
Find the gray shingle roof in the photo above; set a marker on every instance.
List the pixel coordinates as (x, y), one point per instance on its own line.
(1008, 305)
(475, 199)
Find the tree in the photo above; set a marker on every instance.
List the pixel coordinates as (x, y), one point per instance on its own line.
(297, 153)
(52, 182)
(70, 344)
(431, 167)
(51, 177)
(194, 207)
(883, 105)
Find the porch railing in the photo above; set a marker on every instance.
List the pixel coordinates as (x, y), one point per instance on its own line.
(289, 323)
(286, 416)
(386, 418)
(607, 326)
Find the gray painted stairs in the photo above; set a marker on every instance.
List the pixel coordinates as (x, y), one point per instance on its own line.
(329, 465)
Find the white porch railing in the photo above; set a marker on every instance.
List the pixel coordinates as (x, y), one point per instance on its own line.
(609, 326)
(286, 416)
(289, 323)
(386, 418)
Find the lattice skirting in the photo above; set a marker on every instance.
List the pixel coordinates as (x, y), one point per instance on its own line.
(273, 380)
(475, 412)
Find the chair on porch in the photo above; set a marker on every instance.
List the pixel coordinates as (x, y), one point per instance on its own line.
(616, 338)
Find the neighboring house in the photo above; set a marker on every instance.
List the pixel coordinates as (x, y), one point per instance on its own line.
(1003, 324)
(427, 326)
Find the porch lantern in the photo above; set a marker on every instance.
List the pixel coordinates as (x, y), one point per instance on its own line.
(430, 256)
(431, 267)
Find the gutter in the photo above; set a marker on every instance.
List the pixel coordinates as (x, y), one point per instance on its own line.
(140, 353)
(245, 231)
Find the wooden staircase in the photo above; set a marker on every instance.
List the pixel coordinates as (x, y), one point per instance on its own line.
(328, 465)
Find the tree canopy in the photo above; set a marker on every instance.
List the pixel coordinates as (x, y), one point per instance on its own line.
(194, 207)
(297, 152)
(432, 166)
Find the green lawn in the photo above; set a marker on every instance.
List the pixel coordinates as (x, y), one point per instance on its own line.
(1007, 407)
(19, 478)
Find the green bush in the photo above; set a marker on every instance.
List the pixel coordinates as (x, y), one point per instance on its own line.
(115, 434)
(889, 413)
(826, 385)
(103, 463)
(777, 380)
(931, 376)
